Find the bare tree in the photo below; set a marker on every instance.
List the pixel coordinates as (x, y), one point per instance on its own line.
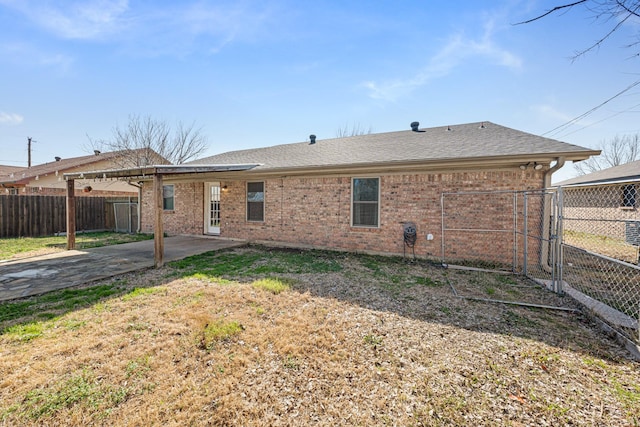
(142, 139)
(353, 130)
(618, 151)
(615, 13)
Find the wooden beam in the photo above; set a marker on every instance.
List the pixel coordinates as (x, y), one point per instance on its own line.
(71, 215)
(158, 229)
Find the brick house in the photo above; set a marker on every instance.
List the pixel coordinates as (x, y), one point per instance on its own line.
(47, 178)
(604, 203)
(353, 193)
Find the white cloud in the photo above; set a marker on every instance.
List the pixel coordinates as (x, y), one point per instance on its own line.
(26, 54)
(10, 118)
(75, 20)
(149, 29)
(453, 54)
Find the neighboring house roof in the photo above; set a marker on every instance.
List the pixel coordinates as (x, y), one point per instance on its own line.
(25, 175)
(627, 172)
(474, 141)
(6, 170)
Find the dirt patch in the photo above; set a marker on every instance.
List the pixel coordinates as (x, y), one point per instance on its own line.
(373, 342)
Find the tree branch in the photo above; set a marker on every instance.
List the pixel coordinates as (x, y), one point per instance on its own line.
(551, 11)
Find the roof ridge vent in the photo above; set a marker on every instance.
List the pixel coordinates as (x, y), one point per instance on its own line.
(58, 158)
(312, 138)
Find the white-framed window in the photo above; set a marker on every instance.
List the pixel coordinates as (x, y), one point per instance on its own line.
(629, 196)
(168, 197)
(255, 201)
(365, 202)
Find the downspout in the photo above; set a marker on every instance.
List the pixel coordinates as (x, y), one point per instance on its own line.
(546, 224)
(139, 186)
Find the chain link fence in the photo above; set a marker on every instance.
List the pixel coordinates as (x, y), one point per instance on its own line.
(579, 240)
(514, 231)
(600, 243)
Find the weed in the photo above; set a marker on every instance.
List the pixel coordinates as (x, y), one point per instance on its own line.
(266, 262)
(273, 285)
(73, 324)
(138, 292)
(291, 362)
(490, 290)
(138, 326)
(218, 331)
(25, 333)
(444, 309)
(79, 389)
(427, 281)
(60, 301)
(372, 340)
(512, 318)
(70, 392)
(138, 367)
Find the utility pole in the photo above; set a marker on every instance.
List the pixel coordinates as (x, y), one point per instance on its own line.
(29, 151)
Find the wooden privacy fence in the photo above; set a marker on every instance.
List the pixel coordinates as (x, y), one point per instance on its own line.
(35, 216)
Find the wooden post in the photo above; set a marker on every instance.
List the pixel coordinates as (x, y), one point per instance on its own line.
(158, 229)
(71, 215)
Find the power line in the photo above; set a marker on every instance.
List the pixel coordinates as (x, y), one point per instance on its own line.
(599, 121)
(575, 120)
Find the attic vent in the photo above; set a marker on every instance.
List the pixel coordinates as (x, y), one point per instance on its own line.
(58, 158)
(96, 152)
(482, 126)
(312, 138)
(414, 126)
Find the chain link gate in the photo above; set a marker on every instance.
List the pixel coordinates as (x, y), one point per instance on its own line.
(514, 231)
(126, 217)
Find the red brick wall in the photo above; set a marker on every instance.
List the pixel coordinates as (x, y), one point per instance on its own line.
(317, 211)
(187, 217)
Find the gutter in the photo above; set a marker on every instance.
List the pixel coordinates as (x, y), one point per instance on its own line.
(546, 216)
(139, 187)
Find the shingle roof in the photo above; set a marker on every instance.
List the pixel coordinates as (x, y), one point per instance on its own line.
(6, 170)
(466, 141)
(628, 171)
(24, 175)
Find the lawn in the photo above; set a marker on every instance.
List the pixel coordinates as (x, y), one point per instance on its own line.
(30, 246)
(256, 336)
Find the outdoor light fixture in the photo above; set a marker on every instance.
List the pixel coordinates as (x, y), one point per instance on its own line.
(535, 165)
(225, 188)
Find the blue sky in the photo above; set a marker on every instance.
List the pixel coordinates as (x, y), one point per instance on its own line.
(257, 73)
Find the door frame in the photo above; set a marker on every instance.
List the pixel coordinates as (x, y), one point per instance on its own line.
(208, 229)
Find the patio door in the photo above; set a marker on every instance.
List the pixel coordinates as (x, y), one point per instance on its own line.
(212, 208)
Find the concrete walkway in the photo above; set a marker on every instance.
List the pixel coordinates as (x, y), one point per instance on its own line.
(37, 275)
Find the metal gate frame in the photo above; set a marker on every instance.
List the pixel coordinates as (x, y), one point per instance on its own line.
(535, 226)
(130, 208)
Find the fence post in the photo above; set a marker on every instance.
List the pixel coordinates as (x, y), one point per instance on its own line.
(525, 231)
(442, 225)
(559, 238)
(514, 266)
(71, 215)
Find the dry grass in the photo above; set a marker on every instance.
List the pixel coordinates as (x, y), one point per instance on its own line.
(341, 340)
(604, 245)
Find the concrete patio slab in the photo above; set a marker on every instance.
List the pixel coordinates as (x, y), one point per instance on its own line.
(38, 275)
